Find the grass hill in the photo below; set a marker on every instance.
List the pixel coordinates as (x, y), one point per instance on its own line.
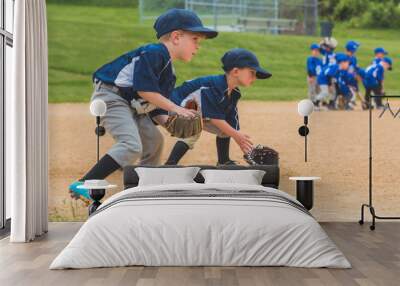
(82, 38)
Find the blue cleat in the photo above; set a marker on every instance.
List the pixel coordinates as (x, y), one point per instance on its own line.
(79, 193)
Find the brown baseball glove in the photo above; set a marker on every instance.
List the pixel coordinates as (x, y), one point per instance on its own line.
(262, 155)
(329, 42)
(182, 127)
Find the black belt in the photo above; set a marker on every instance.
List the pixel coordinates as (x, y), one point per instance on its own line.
(125, 93)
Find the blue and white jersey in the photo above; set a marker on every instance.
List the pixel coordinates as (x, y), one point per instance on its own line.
(373, 76)
(328, 75)
(211, 93)
(344, 79)
(148, 68)
(376, 61)
(328, 58)
(353, 64)
(353, 70)
(314, 66)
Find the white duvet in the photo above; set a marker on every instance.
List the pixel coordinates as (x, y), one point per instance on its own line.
(185, 230)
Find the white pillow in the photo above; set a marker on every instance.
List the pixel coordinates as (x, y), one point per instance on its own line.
(166, 176)
(249, 177)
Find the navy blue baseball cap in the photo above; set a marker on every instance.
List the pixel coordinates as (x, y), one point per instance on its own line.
(380, 50)
(241, 58)
(181, 19)
(340, 57)
(314, 46)
(352, 46)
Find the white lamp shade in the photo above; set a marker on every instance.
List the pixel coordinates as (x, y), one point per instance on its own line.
(98, 107)
(305, 107)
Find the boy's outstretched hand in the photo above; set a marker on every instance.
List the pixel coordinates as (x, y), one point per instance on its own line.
(184, 112)
(244, 142)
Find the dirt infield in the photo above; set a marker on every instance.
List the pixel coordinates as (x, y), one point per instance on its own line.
(338, 153)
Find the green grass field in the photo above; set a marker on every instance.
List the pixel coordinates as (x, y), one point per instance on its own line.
(82, 38)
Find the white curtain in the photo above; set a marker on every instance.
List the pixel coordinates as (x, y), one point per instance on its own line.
(26, 123)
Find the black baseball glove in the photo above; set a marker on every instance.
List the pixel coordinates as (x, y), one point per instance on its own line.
(262, 155)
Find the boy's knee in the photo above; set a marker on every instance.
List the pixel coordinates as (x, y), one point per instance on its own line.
(132, 147)
(157, 144)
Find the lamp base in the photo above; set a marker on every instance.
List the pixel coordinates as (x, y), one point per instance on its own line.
(303, 130)
(100, 130)
(96, 195)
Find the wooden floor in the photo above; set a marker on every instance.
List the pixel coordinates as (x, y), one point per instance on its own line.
(375, 257)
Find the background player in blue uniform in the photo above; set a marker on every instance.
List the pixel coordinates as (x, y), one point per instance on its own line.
(217, 97)
(351, 49)
(326, 84)
(314, 68)
(327, 48)
(380, 53)
(329, 79)
(343, 80)
(372, 78)
(137, 82)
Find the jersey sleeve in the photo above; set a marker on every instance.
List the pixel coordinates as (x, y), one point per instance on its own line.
(181, 92)
(147, 70)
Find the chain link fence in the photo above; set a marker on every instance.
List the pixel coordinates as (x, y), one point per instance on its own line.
(262, 16)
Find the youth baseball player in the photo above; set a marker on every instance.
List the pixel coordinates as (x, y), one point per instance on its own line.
(329, 78)
(344, 79)
(380, 53)
(351, 49)
(314, 68)
(372, 78)
(217, 96)
(327, 49)
(136, 83)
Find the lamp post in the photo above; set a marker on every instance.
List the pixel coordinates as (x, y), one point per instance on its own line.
(305, 108)
(98, 108)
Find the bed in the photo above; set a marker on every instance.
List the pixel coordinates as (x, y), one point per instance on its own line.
(201, 224)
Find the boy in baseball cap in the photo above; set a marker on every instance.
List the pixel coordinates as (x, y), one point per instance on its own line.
(314, 68)
(344, 79)
(217, 96)
(136, 83)
(351, 49)
(380, 53)
(373, 77)
(329, 78)
(327, 49)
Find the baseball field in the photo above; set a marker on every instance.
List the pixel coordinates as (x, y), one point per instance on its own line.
(82, 38)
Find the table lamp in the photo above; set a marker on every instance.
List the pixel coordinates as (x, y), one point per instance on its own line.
(98, 108)
(305, 108)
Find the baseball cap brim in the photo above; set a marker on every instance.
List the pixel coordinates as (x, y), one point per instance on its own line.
(203, 30)
(262, 73)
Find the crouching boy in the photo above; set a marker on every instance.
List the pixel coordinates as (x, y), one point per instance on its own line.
(217, 97)
(134, 84)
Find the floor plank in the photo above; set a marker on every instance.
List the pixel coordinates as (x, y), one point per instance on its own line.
(374, 255)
